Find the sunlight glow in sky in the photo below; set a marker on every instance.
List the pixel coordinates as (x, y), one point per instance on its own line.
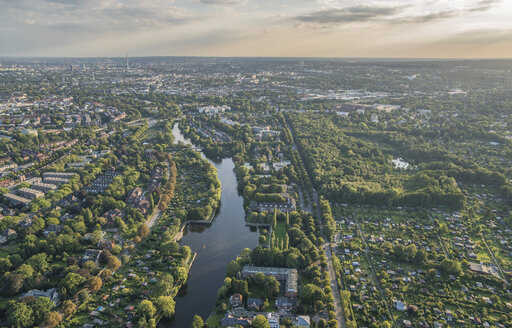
(316, 28)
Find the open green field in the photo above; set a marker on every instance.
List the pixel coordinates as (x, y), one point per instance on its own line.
(214, 320)
(280, 233)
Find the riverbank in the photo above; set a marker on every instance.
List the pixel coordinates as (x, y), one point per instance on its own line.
(176, 289)
(216, 245)
(180, 233)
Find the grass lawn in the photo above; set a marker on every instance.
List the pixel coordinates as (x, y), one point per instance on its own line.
(5, 251)
(3, 302)
(280, 232)
(483, 255)
(256, 292)
(214, 320)
(271, 306)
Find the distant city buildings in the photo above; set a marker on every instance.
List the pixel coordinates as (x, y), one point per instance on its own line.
(210, 110)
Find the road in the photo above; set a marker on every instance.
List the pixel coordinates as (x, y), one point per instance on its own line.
(334, 285)
(441, 240)
(157, 212)
(326, 246)
(498, 265)
(303, 197)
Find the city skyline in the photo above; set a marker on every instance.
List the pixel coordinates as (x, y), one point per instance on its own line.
(284, 28)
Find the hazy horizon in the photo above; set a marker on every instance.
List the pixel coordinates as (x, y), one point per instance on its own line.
(123, 57)
(436, 29)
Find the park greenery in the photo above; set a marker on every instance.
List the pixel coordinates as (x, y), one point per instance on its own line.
(385, 184)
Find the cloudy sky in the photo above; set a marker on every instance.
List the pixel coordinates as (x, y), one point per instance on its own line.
(317, 28)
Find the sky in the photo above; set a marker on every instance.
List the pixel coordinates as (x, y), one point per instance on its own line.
(275, 28)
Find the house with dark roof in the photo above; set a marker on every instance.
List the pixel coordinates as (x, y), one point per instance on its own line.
(254, 304)
(9, 233)
(111, 215)
(106, 244)
(134, 195)
(229, 321)
(302, 321)
(55, 228)
(154, 182)
(286, 303)
(142, 206)
(91, 255)
(51, 293)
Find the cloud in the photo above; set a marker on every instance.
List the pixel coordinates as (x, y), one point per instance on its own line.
(95, 15)
(222, 2)
(480, 6)
(208, 27)
(392, 14)
(481, 37)
(484, 5)
(353, 14)
(426, 18)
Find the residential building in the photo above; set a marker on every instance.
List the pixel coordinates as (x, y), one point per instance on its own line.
(286, 303)
(288, 275)
(236, 300)
(254, 304)
(91, 255)
(55, 228)
(61, 175)
(110, 216)
(229, 321)
(142, 205)
(135, 195)
(17, 200)
(483, 269)
(302, 321)
(44, 187)
(30, 193)
(288, 206)
(51, 293)
(55, 181)
(273, 319)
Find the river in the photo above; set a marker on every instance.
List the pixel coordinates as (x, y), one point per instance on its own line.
(216, 245)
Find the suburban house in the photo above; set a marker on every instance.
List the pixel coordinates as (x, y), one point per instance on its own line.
(236, 300)
(91, 255)
(135, 195)
(285, 303)
(229, 321)
(302, 321)
(142, 205)
(273, 319)
(111, 215)
(254, 304)
(51, 293)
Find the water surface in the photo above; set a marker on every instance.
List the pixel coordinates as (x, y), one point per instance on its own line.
(216, 245)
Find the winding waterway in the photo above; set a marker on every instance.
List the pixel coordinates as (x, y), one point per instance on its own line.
(216, 245)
